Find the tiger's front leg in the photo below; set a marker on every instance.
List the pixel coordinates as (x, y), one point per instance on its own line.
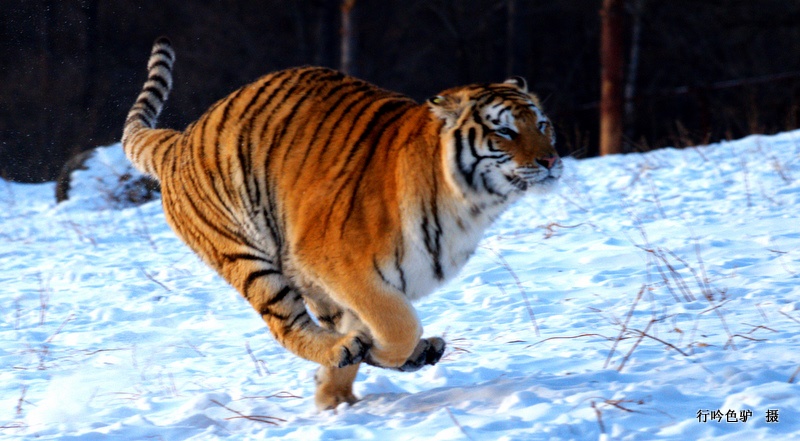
(395, 331)
(428, 352)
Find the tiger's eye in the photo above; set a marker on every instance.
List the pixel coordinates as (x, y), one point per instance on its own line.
(506, 132)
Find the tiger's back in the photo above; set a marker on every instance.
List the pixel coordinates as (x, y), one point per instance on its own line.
(312, 191)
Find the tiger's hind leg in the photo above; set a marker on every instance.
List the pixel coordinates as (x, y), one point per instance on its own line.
(282, 308)
(334, 384)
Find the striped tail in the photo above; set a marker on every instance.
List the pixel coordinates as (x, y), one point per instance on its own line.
(145, 145)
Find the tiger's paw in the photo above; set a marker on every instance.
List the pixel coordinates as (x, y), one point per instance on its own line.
(334, 386)
(328, 401)
(353, 350)
(428, 352)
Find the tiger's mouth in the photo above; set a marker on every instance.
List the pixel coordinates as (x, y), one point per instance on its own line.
(536, 175)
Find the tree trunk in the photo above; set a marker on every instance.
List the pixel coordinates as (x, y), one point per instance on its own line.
(633, 68)
(611, 66)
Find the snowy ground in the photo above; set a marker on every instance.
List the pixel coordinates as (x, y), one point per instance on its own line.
(649, 293)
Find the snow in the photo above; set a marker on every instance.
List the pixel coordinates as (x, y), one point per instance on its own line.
(648, 291)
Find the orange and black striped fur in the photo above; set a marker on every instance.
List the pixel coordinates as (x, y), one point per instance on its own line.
(317, 194)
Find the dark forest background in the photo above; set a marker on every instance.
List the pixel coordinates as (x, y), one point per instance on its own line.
(696, 70)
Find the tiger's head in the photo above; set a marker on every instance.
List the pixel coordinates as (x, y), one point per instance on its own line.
(496, 139)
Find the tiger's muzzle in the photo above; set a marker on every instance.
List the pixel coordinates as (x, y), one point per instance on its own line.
(544, 171)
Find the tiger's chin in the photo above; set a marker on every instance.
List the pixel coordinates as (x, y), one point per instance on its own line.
(537, 184)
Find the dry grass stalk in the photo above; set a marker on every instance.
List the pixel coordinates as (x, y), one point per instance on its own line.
(522, 291)
(259, 418)
(624, 326)
(256, 362)
(455, 421)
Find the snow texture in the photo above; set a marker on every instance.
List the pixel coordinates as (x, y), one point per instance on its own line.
(647, 293)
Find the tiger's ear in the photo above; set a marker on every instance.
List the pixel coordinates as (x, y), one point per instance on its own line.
(519, 82)
(446, 107)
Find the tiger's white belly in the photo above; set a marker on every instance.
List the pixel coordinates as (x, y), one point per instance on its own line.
(459, 239)
(418, 265)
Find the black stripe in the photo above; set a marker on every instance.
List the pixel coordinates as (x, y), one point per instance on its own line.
(315, 132)
(166, 64)
(223, 121)
(486, 184)
(271, 205)
(380, 273)
(332, 319)
(471, 135)
(244, 153)
(169, 53)
(353, 123)
(332, 75)
(266, 311)
(222, 230)
(157, 77)
(232, 257)
(244, 159)
(150, 112)
(150, 107)
(288, 121)
(459, 152)
(272, 226)
(302, 315)
(305, 126)
(264, 84)
(230, 101)
(431, 235)
(201, 215)
(384, 109)
(490, 145)
(370, 154)
(398, 266)
(327, 141)
(298, 82)
(280, 295)
(155, 91)
(435, 236)
(222, 210)
(402, 287)
(476, 116)
(253, 276)
(468, 169)
(162, 138)
(344, 113)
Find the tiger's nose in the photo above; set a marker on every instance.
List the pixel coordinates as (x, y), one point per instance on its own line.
(548, 161)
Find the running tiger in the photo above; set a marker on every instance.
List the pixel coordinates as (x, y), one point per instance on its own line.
(331, 204)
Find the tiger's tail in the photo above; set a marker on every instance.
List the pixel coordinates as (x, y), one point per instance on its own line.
(144, 145)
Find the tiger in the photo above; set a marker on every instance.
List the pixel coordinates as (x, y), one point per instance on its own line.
(331, 204)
